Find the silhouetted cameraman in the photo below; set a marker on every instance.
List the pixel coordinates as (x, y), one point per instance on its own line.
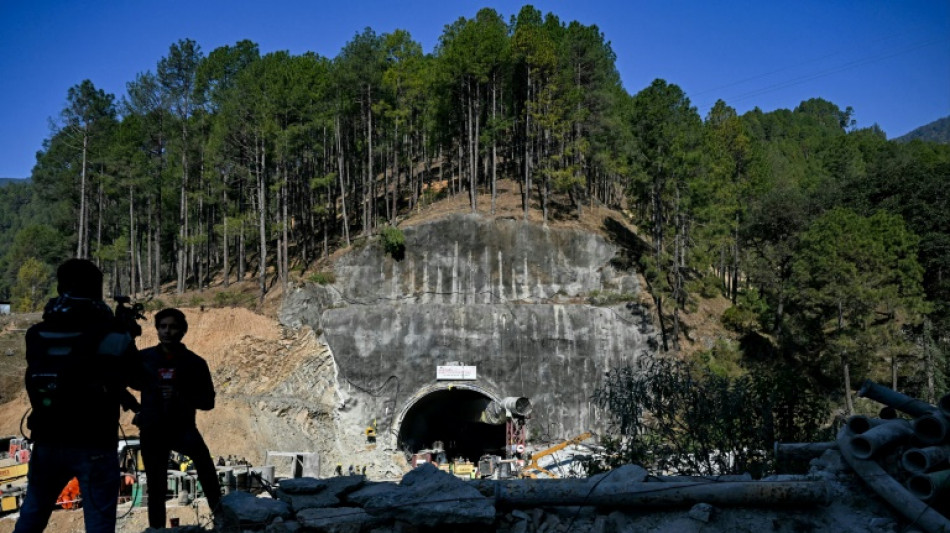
(79, 362)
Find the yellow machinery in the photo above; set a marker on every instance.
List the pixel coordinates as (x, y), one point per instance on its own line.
(464, 469)
(532, 466)
(370, 432)
(12, 495)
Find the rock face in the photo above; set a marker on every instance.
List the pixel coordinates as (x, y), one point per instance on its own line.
(512, 299)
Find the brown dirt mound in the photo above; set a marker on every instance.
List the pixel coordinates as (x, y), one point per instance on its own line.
(213, 333)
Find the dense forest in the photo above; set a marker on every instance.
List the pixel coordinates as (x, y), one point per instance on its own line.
(832, 243)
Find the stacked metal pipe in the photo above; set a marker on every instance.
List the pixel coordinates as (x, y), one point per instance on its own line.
(923, 447)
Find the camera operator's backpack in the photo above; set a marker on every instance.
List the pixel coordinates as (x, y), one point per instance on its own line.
(68, 369)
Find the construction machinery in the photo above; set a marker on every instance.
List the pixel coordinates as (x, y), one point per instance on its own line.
(464, 469)
(370, 432)
(532, 467)
(14, 467)
(494, 467)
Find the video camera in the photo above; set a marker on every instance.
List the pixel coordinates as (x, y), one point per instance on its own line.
(127, 315)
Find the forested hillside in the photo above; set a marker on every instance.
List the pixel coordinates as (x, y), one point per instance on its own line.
(937, 131)
(832, 242)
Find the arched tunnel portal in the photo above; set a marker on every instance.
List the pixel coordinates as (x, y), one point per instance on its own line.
(453, 417)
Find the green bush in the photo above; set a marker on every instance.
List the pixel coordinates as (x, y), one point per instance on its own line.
(233, 299)
(709, 286)
(749, 313)
(394, 241)
(154, 304)
(723, 359)
(739, 320)
(322, 278)
(598, 297)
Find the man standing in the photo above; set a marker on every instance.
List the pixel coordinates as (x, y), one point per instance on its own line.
(177, 382)
(79, 361)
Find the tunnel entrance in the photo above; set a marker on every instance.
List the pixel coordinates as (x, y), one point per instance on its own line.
(451, 417)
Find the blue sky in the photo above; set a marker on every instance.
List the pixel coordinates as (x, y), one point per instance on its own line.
(889, 60)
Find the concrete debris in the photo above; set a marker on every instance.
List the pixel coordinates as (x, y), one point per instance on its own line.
(338, 520)
(430, 497)
(619, 476)
(702, 512)
(882, 525)
(429, 500)
(241, 510)
(310, 493)
(281, 526)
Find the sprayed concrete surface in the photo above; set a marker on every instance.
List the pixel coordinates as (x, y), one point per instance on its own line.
(510, 298)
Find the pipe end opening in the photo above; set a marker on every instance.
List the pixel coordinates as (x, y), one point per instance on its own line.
(862, 448)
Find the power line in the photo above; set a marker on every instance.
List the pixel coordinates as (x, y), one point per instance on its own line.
(828, 72)
(858, 46)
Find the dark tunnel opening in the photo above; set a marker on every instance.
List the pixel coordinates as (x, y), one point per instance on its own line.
(451, 417)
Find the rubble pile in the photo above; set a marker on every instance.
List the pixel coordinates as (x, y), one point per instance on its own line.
(624, 499)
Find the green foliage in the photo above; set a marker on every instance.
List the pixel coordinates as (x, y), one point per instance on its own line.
(154, 304)
(723, 359)
(234, 299)
(393, 240)
(740, 320)
(708, 286)
(748, 314)
(322, 278)
(604, 298)
(34, 285)
(857, 282)
(670, 416)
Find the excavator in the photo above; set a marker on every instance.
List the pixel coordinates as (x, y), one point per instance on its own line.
(532, 468)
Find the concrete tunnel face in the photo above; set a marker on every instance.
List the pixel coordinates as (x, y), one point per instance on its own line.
(452, 417)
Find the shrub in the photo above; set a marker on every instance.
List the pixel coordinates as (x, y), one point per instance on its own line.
(154, 304)
(739, 320)
(598, 297)
(709, 286)
(394, 241)
(322, 278)
(233, 299)
(749, 313)
(722, 359)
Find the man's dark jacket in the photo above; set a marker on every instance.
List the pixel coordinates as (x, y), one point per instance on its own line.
(79, 361)
(188, 384)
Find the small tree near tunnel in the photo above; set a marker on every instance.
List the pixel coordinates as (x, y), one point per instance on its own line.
(674, 417)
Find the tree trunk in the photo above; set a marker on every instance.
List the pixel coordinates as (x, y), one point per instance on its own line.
(183, 217)
(132, 291)
(81, 229)
(370, 177)
(339, 160)
(494, 146)
(847, 387)
(845, 366)
(242, 251)
(262, 220)
(285, 229)
(100, 201)
(226, 262)
(526, 194)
